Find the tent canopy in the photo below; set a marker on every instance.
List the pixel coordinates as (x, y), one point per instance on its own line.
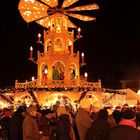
(131, 96)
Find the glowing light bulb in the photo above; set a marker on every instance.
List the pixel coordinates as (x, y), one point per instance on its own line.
(79, 31)
(82, 55)
(70, 43)
(39, 36)
(138, 92)
(31, 52)
(31, 48)
(86, 75)
(46, 71)
(33, 78)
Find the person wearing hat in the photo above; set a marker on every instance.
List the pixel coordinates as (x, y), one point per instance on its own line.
(83, 119)
(126, 130)
(30, 127)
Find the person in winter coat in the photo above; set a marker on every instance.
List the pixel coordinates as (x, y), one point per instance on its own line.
(111, 119)
(64, 127)
(100, 127)
(4, 123)
(126, 130)
(30, 127)
(16, 131)
(43, 123)
(83, 119)
(63, 124)
(60, 125)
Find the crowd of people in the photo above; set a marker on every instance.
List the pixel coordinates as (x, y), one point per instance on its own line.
(60, 122)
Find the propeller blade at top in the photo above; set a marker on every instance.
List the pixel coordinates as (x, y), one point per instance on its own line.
(30, 16)
(81, 17)
(85, 7)
(32, 5)
(44, 22)
(51, 3)
(67, 3)
(32, 10)
(71, 25)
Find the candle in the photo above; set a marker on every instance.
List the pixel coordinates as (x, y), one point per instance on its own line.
(31, 52)
(86, 75)
(49, 24)
(79, 31)
(39, 37)
(82, 54)
(69, 47)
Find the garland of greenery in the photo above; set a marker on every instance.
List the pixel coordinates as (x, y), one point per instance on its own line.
(72, 89)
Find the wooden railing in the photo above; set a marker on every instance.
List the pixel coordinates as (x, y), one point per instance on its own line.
(30, 84)
(58, 83)
(84, 83)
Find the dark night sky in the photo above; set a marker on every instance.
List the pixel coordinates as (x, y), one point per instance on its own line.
(111, 44)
